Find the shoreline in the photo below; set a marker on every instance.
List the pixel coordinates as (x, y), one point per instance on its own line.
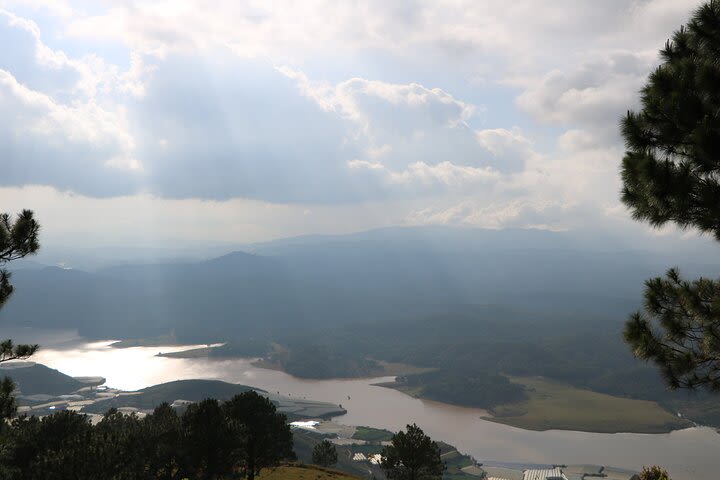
(457, 426)
(513, 419)
(520, 415)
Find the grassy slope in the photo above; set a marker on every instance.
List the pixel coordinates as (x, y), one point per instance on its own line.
(454, 462)
(303, 443)
(413, 391)
(553, 405)
(372, 434)
(292, 472)
(394, 368)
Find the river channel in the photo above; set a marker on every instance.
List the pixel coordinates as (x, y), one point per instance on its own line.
(691, 454)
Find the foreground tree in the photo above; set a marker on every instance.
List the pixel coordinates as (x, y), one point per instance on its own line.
(412, 456)
(209, 441)
(56, 447)
(210, 444)
(653, 473)
(18, 239)
(8, 406)
(266, 437)
(162, 441)
(671, 173)
(118, 446)
(324, 454)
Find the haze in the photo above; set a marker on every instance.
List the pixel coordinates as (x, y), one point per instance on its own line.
(175, 124)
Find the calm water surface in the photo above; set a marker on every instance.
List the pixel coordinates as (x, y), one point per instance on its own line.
(692, 454)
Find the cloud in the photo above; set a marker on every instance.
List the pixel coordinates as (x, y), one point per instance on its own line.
(597, 92)
(42, 68)
(58, 128)
(32, 62)
(410, 124)
(482, 113)
(421, 176)
(72, 147)
(460, 29)
(221, 128)
(513, 214)
(147, 220)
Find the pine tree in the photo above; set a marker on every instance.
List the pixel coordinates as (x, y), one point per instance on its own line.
(210, 442)
(653, 473)
(18, 239)
(671, 173)
(324, 454)
(266, 438)
(412, 456)
(163, 443)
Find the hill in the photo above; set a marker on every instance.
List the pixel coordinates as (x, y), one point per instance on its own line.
(466, 302)
(190, 390)
(552, 405)
(196, 390)
(327, 280)
(303, 472)
(33, 379)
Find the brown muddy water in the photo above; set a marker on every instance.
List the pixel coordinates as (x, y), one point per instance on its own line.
(691, 454)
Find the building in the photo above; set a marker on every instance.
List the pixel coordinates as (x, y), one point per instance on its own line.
(501, 473)
(544, 474)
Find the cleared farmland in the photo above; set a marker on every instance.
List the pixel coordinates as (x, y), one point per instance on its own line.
(556, 406)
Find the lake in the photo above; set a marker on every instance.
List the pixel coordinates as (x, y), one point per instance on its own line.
(690, 454)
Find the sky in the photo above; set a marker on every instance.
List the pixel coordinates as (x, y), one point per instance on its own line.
(187, 122)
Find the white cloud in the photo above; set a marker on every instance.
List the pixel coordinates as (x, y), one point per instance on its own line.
(420, 174)
(363, 101)
(414, 132)
(413, 104)
(64, 145)
(459, 29)
(147, 220)
(52, 71)
(64, 122)
(595, 92)
(516, 213)
(75, 122)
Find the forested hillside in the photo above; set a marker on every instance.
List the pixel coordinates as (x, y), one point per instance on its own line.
(476, 304)
(320, 281)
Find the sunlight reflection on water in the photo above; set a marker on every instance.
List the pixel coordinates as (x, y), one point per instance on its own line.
(688, 454)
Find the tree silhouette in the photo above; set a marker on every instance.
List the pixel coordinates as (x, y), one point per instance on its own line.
(163, 443)
(324, 454)
(210, 440)
(54, 447)
(412, 456)
(267, 439)
(118, 444)
(18, 239)
(210, 443)
(8, 405)
(671, 173)
(653, 473)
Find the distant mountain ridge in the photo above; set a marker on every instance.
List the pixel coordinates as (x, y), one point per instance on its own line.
(326, 280)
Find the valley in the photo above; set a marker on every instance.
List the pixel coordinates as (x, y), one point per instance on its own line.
(366, 404)
(480, 349)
